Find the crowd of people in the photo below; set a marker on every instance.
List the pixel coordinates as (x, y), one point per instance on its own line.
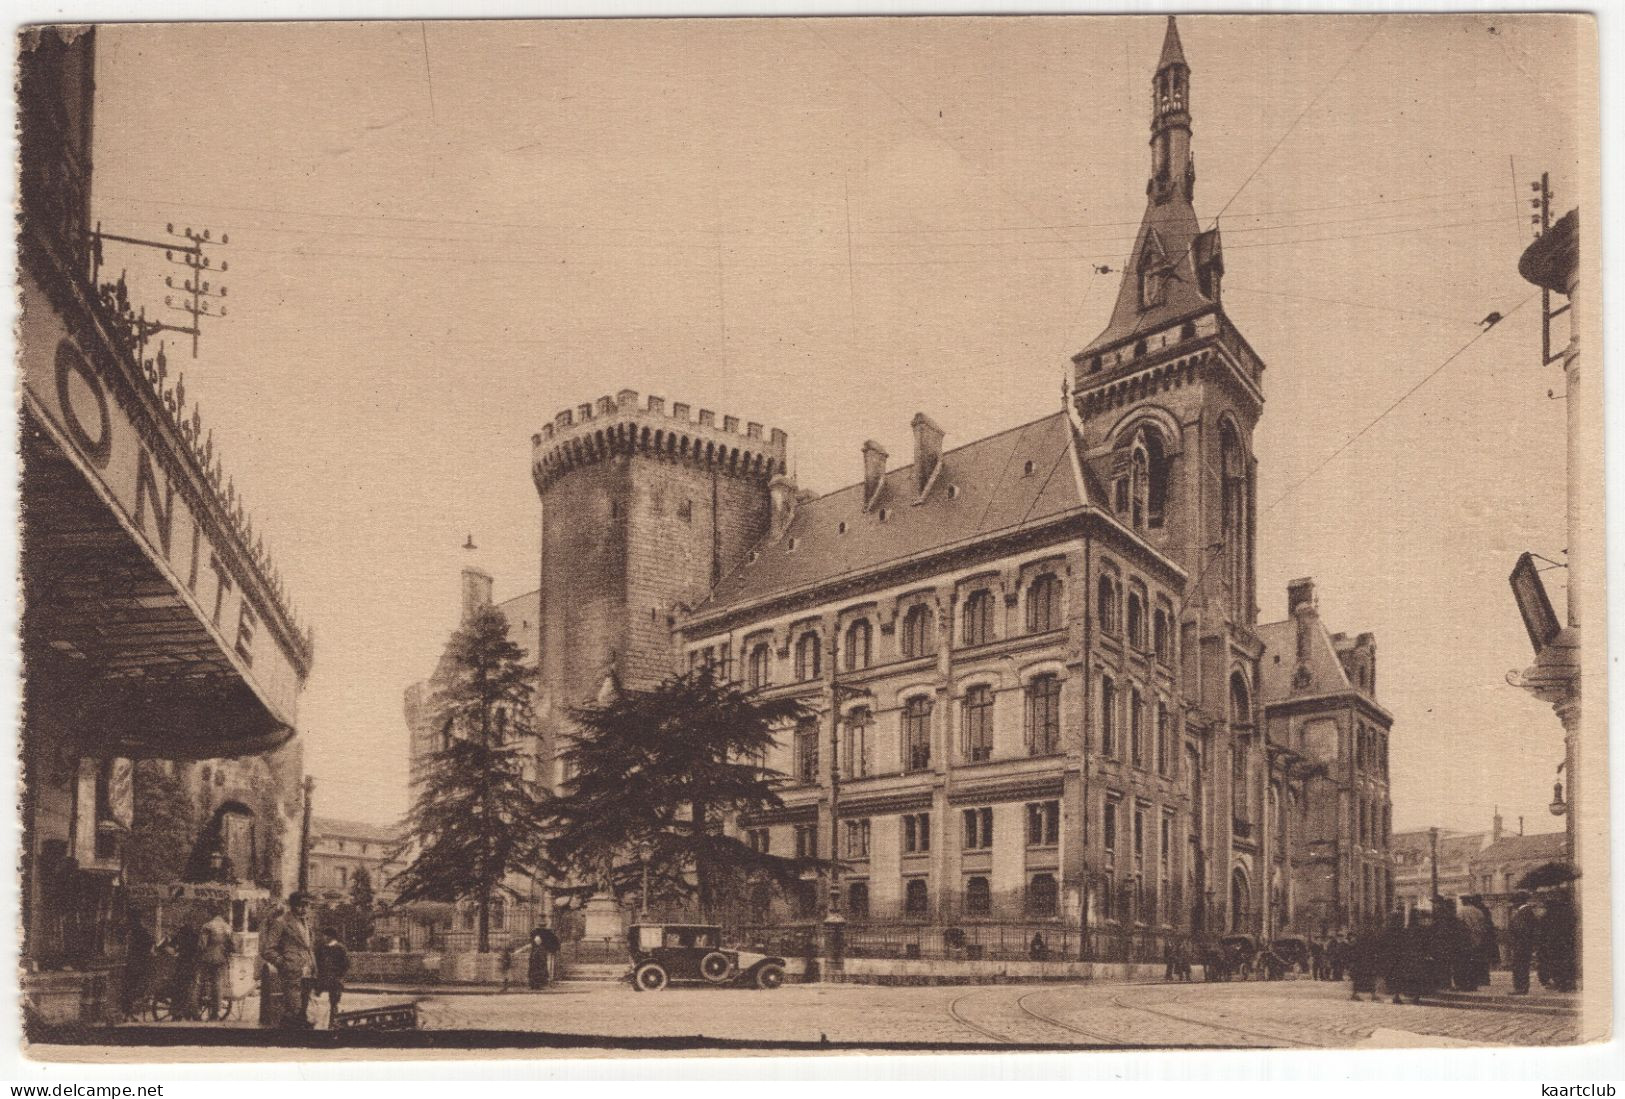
(1453, 945)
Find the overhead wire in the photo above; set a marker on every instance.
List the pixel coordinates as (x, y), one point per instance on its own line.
(1429, 376)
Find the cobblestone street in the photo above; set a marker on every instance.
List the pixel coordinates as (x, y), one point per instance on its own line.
(1296, 1014)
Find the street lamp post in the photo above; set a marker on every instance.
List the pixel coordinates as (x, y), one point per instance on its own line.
(1433, 837)
(645, 853)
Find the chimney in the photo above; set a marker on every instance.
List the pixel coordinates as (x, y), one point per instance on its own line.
(783, 496)
(476, 591)
(874, 471)
(1495, 829)
(927, 451)
(1300, 604)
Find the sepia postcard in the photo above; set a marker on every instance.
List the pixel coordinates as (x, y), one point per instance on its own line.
(583, 538)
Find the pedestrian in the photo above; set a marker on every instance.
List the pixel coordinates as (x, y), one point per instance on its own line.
(1452, 947)
(1364, 962)
(138, 951)
(1556, 942)
(1037, 950)
(1390, 952)
(1169, 966)
(1477, 943)
(288, 952)
(183, 998)
(1419, 962)
(1317, 959)
(1337, 956)
(332, 964)
(1522, 928)
(505, 964)
(543, 945)
(215, 947)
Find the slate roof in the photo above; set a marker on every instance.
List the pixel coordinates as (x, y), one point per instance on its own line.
(1172, 53)
(1181, 241)
(993, 492)
(1281, 641)
(1545, 847)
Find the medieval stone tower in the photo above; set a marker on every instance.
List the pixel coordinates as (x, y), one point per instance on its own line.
(644, 508)
(1166, 399)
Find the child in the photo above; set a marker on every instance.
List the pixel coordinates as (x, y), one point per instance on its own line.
(332, 963)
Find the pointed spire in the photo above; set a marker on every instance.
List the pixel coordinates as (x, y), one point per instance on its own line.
(1172, 53)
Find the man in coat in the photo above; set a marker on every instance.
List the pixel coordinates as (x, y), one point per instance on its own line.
(288, 950)
(544, 946)
(214, 954)
(1522, 927)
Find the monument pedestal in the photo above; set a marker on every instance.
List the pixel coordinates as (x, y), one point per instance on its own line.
(601, 919)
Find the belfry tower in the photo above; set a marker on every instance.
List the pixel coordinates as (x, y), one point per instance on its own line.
(1166, 399)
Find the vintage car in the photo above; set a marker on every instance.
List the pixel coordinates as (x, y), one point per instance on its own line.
(666, 952)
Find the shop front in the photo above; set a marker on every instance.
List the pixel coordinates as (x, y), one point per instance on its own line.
(154, 636)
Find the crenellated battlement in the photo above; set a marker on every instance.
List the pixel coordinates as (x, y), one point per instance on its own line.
(589, 432)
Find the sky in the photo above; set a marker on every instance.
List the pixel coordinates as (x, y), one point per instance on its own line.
(443, 233)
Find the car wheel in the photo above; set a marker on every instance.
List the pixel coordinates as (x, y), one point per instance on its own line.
(650, 977)
(770, 975)
(716, 967)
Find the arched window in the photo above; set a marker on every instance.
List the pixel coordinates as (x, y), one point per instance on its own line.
(806, 747)
(1157, 476)
(1043, 716)
(919, 633)
(916, 897)
(756, 666)
(1043, 895)
(978, 896)
(1108, 716)
(977, 724)
(1136, 619)
(1044, 604)
(855, 743)
(1136, 728)
(1165, 758)
(857, 645)
(1106, 603)
(1241, 707)
(1233, 518)
(857, 900)
(978, 618)
(1162, 636)
(917, 734)
(1239, 897)
(808, 658)
(1139, 486)
(1239, 800)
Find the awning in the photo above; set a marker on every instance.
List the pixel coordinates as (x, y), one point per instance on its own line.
(149, 629)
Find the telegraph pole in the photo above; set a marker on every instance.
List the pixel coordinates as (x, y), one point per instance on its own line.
(304, 837)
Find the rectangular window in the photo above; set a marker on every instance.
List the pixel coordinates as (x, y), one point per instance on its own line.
(1108, 828)
(978, 618)
(758, 840)
(977, 721)
(1108, 716)
(917, 734)
(1136, 728)
(855, 745)
(1043, 698)
(806, 841)
(978, 829)
(1164, 743)
(916, 833)
(856, 836)
(807, 752)
(1043, 823)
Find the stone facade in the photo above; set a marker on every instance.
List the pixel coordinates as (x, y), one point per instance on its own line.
(1034, 660)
